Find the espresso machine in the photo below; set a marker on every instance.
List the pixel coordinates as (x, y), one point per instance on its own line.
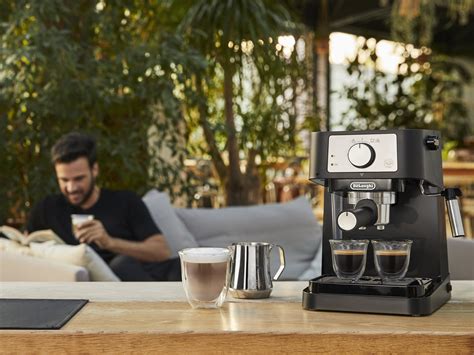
(384, 185)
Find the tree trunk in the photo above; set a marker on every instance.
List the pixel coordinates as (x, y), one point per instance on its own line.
(253, 186)
(235, 189)
(321, 75)
(213, 149)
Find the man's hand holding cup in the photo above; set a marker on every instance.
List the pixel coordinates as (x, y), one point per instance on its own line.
(89, 230)
(94, 232)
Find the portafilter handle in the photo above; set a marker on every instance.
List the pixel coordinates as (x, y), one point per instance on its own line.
(454, 212)
(364, 215)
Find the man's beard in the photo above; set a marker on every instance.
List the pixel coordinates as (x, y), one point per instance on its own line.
(87, 195)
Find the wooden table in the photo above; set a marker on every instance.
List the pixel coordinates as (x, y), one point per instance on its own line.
(154, 317)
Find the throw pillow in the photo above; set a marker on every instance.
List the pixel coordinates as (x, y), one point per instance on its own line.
(291, 225)
(14, 247)
(80, 255)
(173, 229)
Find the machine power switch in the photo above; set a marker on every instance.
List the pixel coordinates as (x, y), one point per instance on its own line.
(361, 155)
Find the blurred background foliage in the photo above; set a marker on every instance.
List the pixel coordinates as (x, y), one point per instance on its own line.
(160, 81)
(247, 109)
(99, 69)
(426, 89)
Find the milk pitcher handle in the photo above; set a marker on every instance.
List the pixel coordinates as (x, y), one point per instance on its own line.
(282, 262)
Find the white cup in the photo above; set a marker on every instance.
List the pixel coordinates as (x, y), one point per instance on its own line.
(78, 219)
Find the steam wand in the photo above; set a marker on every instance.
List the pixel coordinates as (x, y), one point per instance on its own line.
(452, 203)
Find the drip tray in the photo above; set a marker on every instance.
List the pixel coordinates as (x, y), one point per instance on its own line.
(408, 287)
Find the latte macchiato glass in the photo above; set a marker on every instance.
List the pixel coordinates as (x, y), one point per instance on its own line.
(205, 275)
(348, 258)
(78, 219)
(392, 258)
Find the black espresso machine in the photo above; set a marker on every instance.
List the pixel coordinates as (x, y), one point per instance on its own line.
(385, 185)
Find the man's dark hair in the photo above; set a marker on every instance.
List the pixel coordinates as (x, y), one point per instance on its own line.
(72, 146)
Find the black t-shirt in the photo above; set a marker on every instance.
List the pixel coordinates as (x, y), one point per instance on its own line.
(123, 214)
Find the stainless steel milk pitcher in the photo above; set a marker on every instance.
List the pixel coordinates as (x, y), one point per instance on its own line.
(250, 272)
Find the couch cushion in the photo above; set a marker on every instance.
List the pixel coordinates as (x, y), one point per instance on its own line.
(461, 258)
(80, 255)
(315, 267)
(291, 225)
(20, 267)
(173, 229)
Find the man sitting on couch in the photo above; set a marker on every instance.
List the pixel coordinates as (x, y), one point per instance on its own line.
(122, 231)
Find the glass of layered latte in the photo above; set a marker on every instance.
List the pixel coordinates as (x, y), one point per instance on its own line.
(205, 275)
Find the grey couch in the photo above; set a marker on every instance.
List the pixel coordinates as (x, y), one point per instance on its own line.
(291, 225)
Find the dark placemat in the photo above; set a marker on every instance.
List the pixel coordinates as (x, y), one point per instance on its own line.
(37, 313)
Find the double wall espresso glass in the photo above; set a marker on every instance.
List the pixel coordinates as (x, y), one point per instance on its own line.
(392, 258)
(205, 275)
(348, 258)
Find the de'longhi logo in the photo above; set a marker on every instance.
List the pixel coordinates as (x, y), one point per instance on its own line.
(363, 185)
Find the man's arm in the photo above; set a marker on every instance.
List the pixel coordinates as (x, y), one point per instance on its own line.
(154, 248)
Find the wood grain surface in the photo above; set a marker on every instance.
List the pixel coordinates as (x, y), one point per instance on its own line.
(108, 324)
(235, 343)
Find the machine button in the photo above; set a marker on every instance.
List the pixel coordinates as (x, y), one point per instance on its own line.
(432, 142)
(361, 155)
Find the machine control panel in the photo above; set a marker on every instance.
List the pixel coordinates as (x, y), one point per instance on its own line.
(362, 152)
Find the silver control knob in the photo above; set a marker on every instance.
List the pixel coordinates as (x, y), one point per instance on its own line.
(361, 155)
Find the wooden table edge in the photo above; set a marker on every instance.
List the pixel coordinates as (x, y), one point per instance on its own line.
(232, 342)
